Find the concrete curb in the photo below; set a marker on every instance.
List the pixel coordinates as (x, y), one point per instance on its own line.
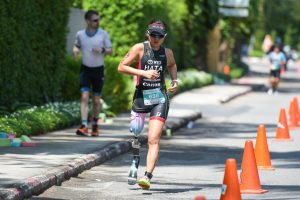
(226, 99)
(38, 184)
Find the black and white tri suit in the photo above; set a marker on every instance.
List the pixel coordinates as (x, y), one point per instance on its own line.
(151, 95)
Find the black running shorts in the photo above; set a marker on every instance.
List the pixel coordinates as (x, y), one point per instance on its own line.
(275, 73)
(157, 111)
(91, 78)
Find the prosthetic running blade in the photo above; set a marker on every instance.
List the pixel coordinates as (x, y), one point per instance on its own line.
(132, 177)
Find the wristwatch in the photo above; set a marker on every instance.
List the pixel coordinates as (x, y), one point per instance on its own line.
(175, 80)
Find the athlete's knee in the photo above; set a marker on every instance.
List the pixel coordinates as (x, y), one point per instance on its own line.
(96, 101)
(85, 97)
(153, 140)
(137, 123)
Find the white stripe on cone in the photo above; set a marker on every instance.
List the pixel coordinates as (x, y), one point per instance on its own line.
(280, 125)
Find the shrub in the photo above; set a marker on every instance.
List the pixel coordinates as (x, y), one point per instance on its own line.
(32, 40)
(42, 119)
(117, 89)
(71, 81)
(191, 78)
(238, 70)
(53, 116)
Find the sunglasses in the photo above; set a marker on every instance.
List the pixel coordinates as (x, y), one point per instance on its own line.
(95, 20)
(157, 36)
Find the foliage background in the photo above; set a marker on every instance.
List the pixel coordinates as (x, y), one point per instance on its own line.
(189, 22)
(280, 19)
(126, 22)
(32, 40)
(35, 69)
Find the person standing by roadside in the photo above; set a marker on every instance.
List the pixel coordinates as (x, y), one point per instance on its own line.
(277, 61)
(151, 94)
(267, 44)
(94, 43)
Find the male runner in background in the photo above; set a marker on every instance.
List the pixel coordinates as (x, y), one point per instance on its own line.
(94, 43)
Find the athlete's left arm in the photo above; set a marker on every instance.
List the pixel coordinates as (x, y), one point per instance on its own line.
(108, 51)
(107, 45)
(172, 67)
(282, 58)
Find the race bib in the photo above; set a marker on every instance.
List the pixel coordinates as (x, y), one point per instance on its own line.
(153, 96)
(273, 67)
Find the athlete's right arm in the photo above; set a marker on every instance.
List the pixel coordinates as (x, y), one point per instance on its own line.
(135, 54)
(76, 51)
(76, 47)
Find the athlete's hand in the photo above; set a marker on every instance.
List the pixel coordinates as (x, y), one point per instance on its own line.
(151, 74)
(173, 86)
(97, 50)
(76, 52)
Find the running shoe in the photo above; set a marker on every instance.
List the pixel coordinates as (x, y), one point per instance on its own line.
(144, 183)
(270, 91)
(83, 131)
(95, 130)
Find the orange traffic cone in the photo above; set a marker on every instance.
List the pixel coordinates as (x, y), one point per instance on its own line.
(226, 70)
(297, 107)
(293, 118)
(261, 150)
(282, 132)
(230, 187)
(250, 183)
(200, 197)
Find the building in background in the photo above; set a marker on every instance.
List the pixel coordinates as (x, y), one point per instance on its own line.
(76, 22)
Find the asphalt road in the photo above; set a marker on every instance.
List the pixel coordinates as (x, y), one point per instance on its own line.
(192, 161)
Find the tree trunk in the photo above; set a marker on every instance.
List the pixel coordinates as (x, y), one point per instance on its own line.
(213, 50)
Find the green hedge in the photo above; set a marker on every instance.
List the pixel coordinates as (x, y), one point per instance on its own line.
(53, 116)
(41, 119)
(71, 81)
(189, 23)
(257, 53)
(117, 89)
(238, 70)
(192, 78)
(32, 40)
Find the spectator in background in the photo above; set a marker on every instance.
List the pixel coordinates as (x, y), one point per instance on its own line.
(277, 61)
(287, 49)
(278, 40)
(267, 44)
(287, 52)
(94, 43)
(294, 54)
